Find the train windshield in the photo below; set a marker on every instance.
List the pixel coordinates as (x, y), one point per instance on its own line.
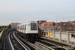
(33, 26)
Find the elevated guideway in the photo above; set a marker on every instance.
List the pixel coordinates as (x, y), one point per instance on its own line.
(62, 37)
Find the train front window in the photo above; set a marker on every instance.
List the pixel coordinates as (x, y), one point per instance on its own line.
(33, 26)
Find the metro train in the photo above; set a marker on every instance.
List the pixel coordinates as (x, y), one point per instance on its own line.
(28, 30)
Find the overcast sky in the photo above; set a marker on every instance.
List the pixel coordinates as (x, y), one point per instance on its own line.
(33, 10)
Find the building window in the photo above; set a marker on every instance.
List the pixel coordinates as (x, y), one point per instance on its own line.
(48, 28)
(43, 28)
(48, 25)
(64, 23)
(69, 24)
(70, 28)
(43, 24)
(63, 28)
(54, 28)
(58, 28)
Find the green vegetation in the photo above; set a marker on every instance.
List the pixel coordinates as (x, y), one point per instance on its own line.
(9, 26)
(1, 30)
(1, 27)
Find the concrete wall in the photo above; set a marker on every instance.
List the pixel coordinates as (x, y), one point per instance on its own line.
(62, 36)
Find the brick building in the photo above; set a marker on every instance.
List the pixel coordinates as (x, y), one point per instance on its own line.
(63, 26)
(47, 26)
(14, 25)
(72, 24)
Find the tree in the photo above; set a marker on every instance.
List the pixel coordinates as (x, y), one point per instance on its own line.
(9, 26)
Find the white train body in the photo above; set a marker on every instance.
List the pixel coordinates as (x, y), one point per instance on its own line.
(28, 30)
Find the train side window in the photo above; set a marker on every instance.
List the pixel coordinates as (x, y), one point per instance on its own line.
(25, 27)
(18, 27)
(33, 26)
(21, 27)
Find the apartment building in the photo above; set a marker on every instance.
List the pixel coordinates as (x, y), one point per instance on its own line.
(63, 26)
(14, 25)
